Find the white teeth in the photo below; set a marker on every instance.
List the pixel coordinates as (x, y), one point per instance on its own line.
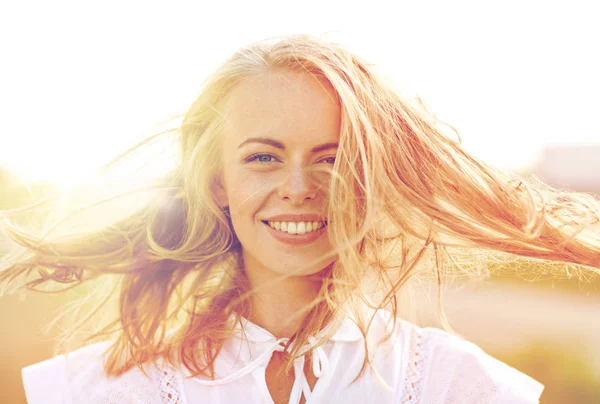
(297, 227)
(301, 228)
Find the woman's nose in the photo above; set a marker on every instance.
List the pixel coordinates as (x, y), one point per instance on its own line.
(298, 186)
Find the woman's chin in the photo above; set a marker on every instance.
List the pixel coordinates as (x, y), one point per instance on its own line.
(316, 270)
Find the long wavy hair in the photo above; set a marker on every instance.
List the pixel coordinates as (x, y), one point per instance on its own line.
(404, 197)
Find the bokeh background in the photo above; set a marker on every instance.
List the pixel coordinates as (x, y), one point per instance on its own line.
(81, 82)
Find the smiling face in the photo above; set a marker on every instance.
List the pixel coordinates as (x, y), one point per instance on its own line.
(281, 134)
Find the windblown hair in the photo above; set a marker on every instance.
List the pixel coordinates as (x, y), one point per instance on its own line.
(403, 196)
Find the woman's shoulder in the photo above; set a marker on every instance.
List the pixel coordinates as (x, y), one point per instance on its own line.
(79, 377)
(443, 367)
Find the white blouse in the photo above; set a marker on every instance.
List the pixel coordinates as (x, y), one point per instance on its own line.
(416, 365)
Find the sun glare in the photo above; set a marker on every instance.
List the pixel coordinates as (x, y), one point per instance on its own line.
(508, 92)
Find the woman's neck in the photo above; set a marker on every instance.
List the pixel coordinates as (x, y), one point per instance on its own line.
(280, 305)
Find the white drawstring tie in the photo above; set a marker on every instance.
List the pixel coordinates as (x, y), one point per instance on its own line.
(320, 362)
(263, 358)
(320, 365)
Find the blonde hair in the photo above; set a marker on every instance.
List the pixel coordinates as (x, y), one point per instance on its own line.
(404, 195)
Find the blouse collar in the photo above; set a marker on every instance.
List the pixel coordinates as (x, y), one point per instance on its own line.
(251, 347)
(347, 331)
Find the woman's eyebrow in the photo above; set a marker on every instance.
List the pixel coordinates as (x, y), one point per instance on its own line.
(263, 140)
(279, 145)
(324, 146)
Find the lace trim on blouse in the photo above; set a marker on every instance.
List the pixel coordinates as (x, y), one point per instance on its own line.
(170, 386)
(415, 367)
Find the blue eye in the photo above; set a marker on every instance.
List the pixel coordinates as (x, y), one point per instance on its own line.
(269, 158)
(261, 158)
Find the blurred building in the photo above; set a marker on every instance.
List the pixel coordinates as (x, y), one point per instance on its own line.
(571, 167)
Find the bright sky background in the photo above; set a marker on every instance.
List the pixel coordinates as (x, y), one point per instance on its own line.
(81, 81)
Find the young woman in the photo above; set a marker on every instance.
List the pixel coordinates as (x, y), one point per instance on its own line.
(269, 270)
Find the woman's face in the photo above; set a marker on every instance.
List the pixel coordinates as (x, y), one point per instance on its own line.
(281, 128)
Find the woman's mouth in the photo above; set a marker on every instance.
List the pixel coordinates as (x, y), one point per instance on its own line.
(295, 232)
(296, 227)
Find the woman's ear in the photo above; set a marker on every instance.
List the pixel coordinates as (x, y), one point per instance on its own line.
(219, 193)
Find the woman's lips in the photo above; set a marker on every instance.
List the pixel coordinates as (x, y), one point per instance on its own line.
(295, 238)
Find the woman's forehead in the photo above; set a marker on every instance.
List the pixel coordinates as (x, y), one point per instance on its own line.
(283, 103)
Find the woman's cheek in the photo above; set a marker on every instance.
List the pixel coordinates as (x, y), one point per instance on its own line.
(252, 188)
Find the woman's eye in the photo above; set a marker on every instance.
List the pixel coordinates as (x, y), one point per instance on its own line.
(328, 160)
(261, 158)
(269, 158)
